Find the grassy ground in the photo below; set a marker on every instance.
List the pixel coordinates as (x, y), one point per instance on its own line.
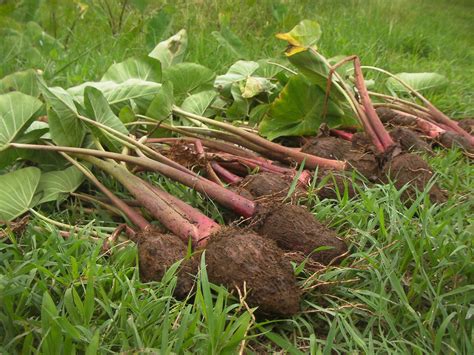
(407, 287)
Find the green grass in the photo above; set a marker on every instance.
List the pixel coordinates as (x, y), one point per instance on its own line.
(408, 286)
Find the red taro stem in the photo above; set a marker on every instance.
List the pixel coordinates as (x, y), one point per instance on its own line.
(159, 208)
(342, 134)
(372, 116)
(225, 174)
(240, 205)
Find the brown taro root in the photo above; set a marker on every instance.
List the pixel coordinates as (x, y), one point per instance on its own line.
(294, 228)
(234, 258)
(467, 124)
(450, 139)
(157, 253)
(409, 141)
(365, 163)
(410, 169)
(393, 118)
(266, 184)
(327, 147)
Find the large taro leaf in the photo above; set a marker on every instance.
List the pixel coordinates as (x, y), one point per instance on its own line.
(304, 34)
(172, 50)
(99, 110)
(55, 184)
(65, 126)
(162, 105)
(136, 91)
(239, 71)
(417, 81)
(144, 68)
(230, 41)
(188, 78)
(254, 86)
(17, 191)
(199, 103)
(22, 81)
(16, 113)
(298, 110)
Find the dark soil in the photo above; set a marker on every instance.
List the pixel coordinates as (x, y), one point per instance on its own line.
(467, 124)
(410, 169)
(327, 147)
(157, 252)
(294, 228)
(234, 258)
(409, 141)
(266, 184)
(334, 182)
(360, 141)
(451, 140)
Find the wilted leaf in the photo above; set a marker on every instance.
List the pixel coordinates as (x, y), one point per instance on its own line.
(172, 50)
(54, 184)
(298, 110)
(99, 110)
(304, 34)
(143, 68)
(254, 86)
(237, 72)
(162, 105)
(16, 113)
(16, 194)
(418, 81)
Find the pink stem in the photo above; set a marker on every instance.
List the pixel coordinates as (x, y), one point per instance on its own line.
(342, 134)
(369, 109)
(225, 174)
(430, 129)
(440, 117)
(205, 225)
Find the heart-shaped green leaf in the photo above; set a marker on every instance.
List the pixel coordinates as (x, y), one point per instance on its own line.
(230, 41)
(417, 81)
(144, 68)
(199, 103)
(172, 50)
(162, 105)
(22, 81)
(118, 95)
(189, 78)
(16, 194)
(304, 34)
(65, 126)
(99, 110)
(54, 184)
(16, 113)
(298, 110)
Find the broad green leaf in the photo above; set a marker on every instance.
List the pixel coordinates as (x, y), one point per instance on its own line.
(162, 105)
(199, 103)
(304, 34)
(118, 95)
(237, 72)
(143, 68)
(314, 68)
(255, 85)
(65, 126)
(230, 41)
(159, 25)
(99, 110)
(257, 113)
(54, 184)
(418, 82)
(239, 109)
(298, 110)
(16, 112)
(172, 50)
(189, 78)
(16, 194)
(22, 81)
(267, 68)
(126, 115)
